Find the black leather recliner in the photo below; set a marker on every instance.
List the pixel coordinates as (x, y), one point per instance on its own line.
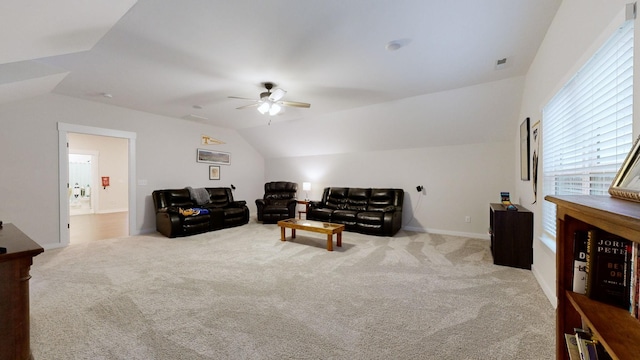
(279, 202)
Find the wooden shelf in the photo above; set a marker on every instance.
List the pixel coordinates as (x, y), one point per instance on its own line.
(615, 328)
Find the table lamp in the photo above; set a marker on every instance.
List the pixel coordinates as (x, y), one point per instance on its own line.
(306, 186)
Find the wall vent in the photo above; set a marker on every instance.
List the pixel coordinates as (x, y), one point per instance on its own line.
(196, 118)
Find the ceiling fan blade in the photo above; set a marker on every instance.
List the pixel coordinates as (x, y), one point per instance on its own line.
(294, 104)
(241, 98)
(248, 106)
(277, 94)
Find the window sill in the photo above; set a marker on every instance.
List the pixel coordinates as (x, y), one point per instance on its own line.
(549, 242)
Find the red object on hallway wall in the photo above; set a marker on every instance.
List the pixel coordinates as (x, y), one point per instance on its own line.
(105, 181)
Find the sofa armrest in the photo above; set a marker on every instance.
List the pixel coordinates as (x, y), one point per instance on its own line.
(238, 203)
(168, 223)
(315, 204)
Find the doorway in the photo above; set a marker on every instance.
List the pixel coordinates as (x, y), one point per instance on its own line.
(97, 212)
(114, 202)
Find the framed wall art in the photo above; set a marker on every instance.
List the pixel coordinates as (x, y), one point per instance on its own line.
(214, 172)
(524, 150)
(626, 184)
(213, 157)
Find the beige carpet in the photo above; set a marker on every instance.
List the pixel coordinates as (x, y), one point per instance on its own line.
(241, 293)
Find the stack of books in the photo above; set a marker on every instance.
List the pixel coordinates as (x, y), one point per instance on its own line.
(606, 269)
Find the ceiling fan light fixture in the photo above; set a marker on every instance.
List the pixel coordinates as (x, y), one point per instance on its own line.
(264, 107)
(275, 109)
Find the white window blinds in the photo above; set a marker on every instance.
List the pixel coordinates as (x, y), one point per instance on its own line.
(587, 126)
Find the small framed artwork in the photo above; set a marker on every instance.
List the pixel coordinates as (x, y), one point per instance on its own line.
(626, 184)
(213, 157)
(524, 150)
(214, 172)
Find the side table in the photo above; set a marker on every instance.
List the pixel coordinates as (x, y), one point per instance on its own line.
(306, 208)
(511, 236)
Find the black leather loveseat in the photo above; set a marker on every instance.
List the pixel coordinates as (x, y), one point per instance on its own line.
(364, 210)
(182, 212)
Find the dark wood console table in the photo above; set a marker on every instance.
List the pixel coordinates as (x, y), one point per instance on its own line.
(15, 341)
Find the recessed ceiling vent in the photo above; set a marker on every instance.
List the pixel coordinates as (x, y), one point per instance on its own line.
(195, 118)
(502, 63)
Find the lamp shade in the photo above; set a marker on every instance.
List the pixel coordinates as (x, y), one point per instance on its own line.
(306, 186)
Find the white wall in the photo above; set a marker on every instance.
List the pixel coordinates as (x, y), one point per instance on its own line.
(459, 181)
(578, 30)
(165, 158)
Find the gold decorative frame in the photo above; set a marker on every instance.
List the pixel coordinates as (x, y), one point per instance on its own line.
(626, 184)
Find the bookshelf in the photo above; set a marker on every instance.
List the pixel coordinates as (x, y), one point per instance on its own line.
(616, 329)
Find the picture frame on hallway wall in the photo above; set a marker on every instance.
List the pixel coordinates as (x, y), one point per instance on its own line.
(213, 157)
(214, 172)
(626, 184)
(524, 150)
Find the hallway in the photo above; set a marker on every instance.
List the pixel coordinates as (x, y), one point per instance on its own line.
(90, 227)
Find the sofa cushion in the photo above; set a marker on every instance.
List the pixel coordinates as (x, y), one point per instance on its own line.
(219, 197)
(337, 198)
(358, 199)
(381, 200)
(177, 198)
(347, 217)
(233, 212)
(322, 214)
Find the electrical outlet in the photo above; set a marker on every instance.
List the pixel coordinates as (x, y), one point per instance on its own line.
(467, 219)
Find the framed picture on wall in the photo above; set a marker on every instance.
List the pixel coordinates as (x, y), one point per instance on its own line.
(524, 150)
(213, 157)
(214, 172)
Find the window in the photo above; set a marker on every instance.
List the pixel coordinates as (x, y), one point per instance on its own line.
(587, 126)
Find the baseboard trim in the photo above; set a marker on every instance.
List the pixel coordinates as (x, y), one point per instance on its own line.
(112, 211)
(550, 293)
(447, 232)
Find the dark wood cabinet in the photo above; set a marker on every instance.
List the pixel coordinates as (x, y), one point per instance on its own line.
(615, 328)
(511, 236)
(15, 343)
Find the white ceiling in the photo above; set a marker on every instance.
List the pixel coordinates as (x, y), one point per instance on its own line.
(182, 58)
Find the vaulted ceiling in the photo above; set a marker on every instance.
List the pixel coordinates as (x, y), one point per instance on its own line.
(183, 59)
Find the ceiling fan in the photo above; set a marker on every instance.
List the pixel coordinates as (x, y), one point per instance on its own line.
(270, 101)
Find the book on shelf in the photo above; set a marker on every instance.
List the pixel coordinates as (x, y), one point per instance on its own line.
(608, 268)
(580, 262)
(572, 347)
(633, 282)
(588, 346)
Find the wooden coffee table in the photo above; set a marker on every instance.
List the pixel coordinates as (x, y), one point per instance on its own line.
(313, 226)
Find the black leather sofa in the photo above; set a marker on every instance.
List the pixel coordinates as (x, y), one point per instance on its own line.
(363, 210)
(220, 211)
(278, 203)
